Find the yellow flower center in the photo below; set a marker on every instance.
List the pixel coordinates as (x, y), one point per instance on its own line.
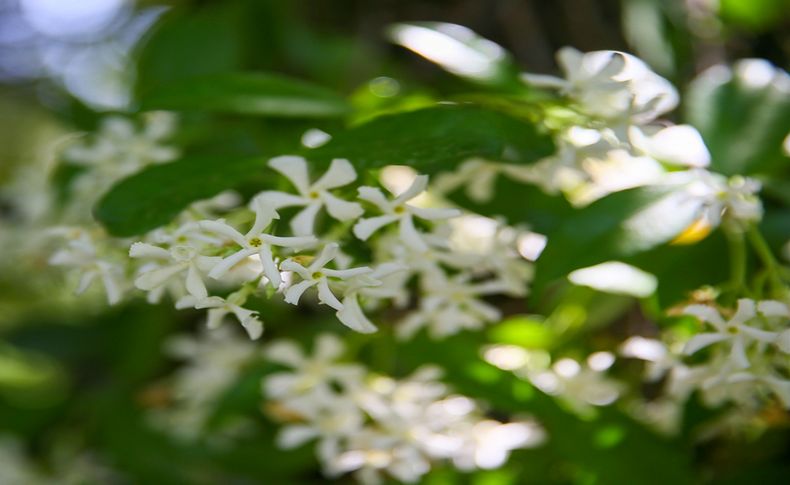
(256, 242)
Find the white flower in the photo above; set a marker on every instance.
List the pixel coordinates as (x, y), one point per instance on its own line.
(376, 284)
(610, 84)
(181, 258)
(311, 377)
(313, 196)
(398, 210)
(317, 274)
(254, 242)
(450, 305)
(82, 253)
(736, 331)
(734, 199)
(219, 308)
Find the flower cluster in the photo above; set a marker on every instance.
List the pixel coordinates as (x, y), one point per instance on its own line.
(212, 363)
(741, 355)
(242, 251)
(371, 424)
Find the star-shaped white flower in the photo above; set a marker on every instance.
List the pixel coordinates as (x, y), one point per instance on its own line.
(254, 242)
(735, 331)
(313, 196)
(317, 274)
(173, 263)
(398, 210)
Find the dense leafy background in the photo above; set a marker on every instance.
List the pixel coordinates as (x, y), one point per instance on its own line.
(82, 374)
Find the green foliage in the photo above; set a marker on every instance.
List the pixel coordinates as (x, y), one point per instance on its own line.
(155, 196)
(248, 94)
(616, 227)
(435, 139)
(742, 119)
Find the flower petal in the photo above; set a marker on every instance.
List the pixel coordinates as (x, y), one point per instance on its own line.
(277, 200)
(706, 314)
(303, 223)
(226, 264)
(293, 436)
(220, 227)
(158, 276)
(375, 197)
(285, 352)
(366, 227)
(194, 283)
(738, 354)
(433, 214)
(410, 236)
(340, 173)
(269, 268)
(701, 341)
(327, 254)
(294, 169)
(326, 296)
(416, 188)
(340, 209)
(746, 311)
(294, 293)
(327, 347)
(352, 316)
(773, 308)
(144, 250)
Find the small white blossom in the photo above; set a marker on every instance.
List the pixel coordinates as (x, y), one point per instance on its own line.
(255, 241)
(173, 262)
(739, 332)
(313, 196)
(317, 274)
(219, 308)
(397, 210)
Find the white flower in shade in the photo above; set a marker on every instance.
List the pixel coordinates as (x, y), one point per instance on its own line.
(333, 419)
(450, 305)
(313, 196)
(479, 178)
(371, 452)
(317, 274)
(737, 331)
(734, 199)
(579, 385)
(398, 210)
(84, 252)
(679, 145)
(311, 376)
(254, 242)
(219, 308)
(610, 84)
(173, 263)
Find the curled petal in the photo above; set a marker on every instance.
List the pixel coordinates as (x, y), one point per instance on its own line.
(269, 268)
(326, 296)
(773, 308)
(327, 254)
(264, 215)
(291, 265)
(416, 188)
(294, 293)
(352, 316)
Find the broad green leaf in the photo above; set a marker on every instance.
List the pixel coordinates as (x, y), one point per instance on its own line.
(743, 115)
(156, 195)
(459, 51)
(435, 139)
(248, 93)
(620, 225)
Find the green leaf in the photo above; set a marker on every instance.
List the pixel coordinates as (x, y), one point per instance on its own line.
(248, 93)
(620, 225)
(435, 139)
(156, 195)
(743, 115)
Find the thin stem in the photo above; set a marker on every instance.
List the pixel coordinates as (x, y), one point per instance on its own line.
(737, 248)
(768, 259)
